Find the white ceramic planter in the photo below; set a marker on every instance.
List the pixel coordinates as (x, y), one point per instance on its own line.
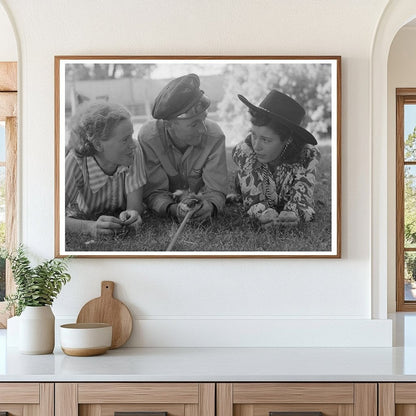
(37, 330)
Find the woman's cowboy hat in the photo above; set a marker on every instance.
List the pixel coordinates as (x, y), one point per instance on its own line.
(285, 110)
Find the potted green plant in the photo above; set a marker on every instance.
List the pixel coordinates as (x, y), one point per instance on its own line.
(36, 289)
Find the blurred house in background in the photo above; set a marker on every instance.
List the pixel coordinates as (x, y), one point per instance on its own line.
(136, 94)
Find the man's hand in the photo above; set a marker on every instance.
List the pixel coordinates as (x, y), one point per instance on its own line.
(106, 225)
(205, 211)
(187, 204)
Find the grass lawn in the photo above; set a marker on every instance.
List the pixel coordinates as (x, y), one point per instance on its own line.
(232, 231)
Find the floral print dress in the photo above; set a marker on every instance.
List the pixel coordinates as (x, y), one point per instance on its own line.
(286, 187)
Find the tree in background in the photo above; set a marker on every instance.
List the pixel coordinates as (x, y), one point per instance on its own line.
(410, 146)
(410, 204)
(410, 190)
(309, 84)
(410, 266)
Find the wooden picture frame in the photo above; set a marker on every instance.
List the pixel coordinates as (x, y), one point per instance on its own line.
(405, 169)
(314, 82)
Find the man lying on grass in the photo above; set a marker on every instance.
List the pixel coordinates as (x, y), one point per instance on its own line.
(183, 151)
(104, 172)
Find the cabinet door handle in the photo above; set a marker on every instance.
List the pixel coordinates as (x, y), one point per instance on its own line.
(139, 414)
(295, 413)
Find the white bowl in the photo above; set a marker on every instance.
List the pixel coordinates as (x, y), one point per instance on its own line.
(85, 339)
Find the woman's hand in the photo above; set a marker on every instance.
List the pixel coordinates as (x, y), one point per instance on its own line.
(288, 219)
(271, 218)
(131, 218)
(268, 217)
(106, 225)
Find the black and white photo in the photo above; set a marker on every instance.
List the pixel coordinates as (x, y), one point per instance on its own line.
(197, 156)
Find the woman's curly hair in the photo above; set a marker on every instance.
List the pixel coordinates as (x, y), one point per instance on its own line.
(94, 121)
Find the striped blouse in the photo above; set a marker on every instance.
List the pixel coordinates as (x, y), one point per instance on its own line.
(89, 192)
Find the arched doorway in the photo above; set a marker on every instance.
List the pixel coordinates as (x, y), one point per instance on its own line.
(396, 15)
(401, 101)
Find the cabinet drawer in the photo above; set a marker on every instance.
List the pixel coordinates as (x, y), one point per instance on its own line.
(107, 399)
(138, 393)
(19, 393)
(309, 399)
(21, 399)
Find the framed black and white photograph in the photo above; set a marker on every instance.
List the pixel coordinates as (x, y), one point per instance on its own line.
(198, 156)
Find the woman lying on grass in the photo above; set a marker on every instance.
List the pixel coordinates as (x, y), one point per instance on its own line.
(104, 171)
(277, 163)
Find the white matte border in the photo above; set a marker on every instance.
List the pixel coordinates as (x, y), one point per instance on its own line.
(335, 79)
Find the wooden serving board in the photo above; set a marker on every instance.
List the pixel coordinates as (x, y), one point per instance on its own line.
(109, 310)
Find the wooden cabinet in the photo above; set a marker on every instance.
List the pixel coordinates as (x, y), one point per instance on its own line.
(208, 399)
(105, 399)
(27, 399)
(397, 399)
(222, 399)
(331, 399)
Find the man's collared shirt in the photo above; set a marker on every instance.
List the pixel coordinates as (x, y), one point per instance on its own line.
(201, 168)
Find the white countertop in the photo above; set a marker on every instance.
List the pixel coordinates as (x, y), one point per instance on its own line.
(222, 364)
(215, 364)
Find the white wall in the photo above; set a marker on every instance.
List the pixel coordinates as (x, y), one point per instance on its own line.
(203, 302)
(401, 74)
(8, 46)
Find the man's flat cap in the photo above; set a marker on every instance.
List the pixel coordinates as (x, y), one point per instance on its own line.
(180, 98)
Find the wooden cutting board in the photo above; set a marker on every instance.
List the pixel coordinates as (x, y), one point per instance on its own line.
(111, 311)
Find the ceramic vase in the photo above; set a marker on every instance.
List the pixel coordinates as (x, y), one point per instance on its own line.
(37, 330)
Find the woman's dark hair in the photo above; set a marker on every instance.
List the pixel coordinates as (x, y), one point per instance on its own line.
(294, 147)
(94, 121)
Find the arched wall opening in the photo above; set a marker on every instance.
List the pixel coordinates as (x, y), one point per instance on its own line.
(396, 15)
(401, 74)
